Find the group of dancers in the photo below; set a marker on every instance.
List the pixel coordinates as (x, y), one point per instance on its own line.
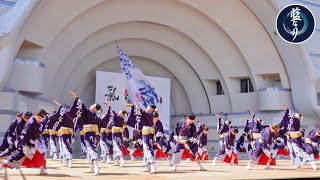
(264, 144)
(31, 135)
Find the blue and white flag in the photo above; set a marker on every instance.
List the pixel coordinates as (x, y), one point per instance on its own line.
(140, 91)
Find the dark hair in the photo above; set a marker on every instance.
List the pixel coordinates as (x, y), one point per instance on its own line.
(124, 112)
(191, 116)
(155, 114)
(42, 113)
(206, 129)
(27, 114)
(279, 125)
(19, 114)
(244, 134)
(98, 106)
(235, 130)
(153, 106)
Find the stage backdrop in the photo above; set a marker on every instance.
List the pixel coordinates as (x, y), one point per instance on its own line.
(112, 88)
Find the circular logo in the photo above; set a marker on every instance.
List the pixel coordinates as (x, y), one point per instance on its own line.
(295, 23)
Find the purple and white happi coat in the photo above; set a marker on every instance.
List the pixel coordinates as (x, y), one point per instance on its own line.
(312, 142)
(117, 138)
(263, 144)
(9, 141)
(54, 124)
(228, 145)
(67, 139)
(202, 143)
(139, 119)
(295, 145)
(137, 141)
(253, 127)
(222, 129)
(159, 135)
(81, 116)
(105, 140)
(28, 144)
(13, 137)
(186, 132)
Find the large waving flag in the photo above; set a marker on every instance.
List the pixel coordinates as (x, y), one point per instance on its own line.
(140, 91)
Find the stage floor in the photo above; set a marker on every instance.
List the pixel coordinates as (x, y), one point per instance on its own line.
(186, 171)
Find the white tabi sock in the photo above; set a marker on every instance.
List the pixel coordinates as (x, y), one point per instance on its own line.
(201, 167)
(153, 169)
(43, 171)
(108, 159)
(70, 163)
(121, 161)
(314, 166)
(248, 165)
(214, 161)
(174, 167)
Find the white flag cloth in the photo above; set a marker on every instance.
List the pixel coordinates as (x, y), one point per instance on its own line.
(140, 91)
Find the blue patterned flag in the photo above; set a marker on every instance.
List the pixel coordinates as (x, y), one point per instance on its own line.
(140, 92)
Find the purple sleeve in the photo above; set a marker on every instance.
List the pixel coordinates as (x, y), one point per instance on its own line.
(219, 125)
(193, 135)
(146, 118)
(202, 139)
(160, 127)
(132, 118)
(229, 140)
(11, 130)
(247, 129)
(285, 118)
(177, 129)
(312, 133)
(265, 137)
(126, 133)
(251, 122)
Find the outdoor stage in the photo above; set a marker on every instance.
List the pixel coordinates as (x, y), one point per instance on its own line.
(186, 171)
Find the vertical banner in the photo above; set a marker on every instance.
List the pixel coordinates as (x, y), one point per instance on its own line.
(112, 87)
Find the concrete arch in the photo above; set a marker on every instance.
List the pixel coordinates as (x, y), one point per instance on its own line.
(102, 54)
(189, 51)
(233, 57)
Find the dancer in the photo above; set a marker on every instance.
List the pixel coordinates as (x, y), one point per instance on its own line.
(104, 133)
(117, 121)
(67, 127)
(202, 144)
(255, 127)
(88, 119)
(125, 140)
(143, 120)
(159, 137)
(223, 128)
(240, 144)
(312, 142)
(137, 148)
(295, 140)
(27, 153)
(15, 136)
(228, 148)
(263, 145)
(9, 139)
(186, 138)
